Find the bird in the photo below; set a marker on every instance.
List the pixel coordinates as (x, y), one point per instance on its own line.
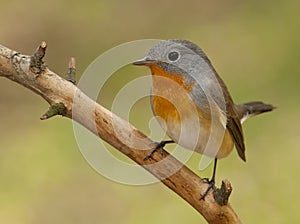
(192, 103)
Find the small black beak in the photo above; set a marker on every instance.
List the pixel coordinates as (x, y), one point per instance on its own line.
(144, 61)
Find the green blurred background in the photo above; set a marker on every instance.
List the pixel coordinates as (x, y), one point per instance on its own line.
(255, 47)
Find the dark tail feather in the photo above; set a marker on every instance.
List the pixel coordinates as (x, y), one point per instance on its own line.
(250, 109)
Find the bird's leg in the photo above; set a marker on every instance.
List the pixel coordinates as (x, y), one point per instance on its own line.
(159, 146)
(211, 182)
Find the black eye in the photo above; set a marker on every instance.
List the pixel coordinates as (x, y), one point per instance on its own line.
(173, 56)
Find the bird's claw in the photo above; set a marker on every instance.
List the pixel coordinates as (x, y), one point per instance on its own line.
(160, 146)
(211, 185)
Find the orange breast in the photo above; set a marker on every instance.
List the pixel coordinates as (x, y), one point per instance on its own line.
(165, 109)
(170, 94)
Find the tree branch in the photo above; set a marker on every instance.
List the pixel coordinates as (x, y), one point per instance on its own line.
(31, 72)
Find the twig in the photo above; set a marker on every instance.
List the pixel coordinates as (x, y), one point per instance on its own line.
(55, 109)
(71, 71)
(222, 195)
(37, 65)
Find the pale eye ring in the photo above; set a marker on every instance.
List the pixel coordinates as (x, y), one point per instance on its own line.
(173, 56)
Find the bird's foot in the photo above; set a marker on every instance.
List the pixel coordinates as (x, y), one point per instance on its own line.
(159, 146)
(211, 185)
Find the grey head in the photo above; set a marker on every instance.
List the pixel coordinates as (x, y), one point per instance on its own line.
(175, 54)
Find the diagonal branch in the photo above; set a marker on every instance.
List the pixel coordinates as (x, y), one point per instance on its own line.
(31, 72)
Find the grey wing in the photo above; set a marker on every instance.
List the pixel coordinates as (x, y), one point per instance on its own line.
(235, 128)
(233, 125)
